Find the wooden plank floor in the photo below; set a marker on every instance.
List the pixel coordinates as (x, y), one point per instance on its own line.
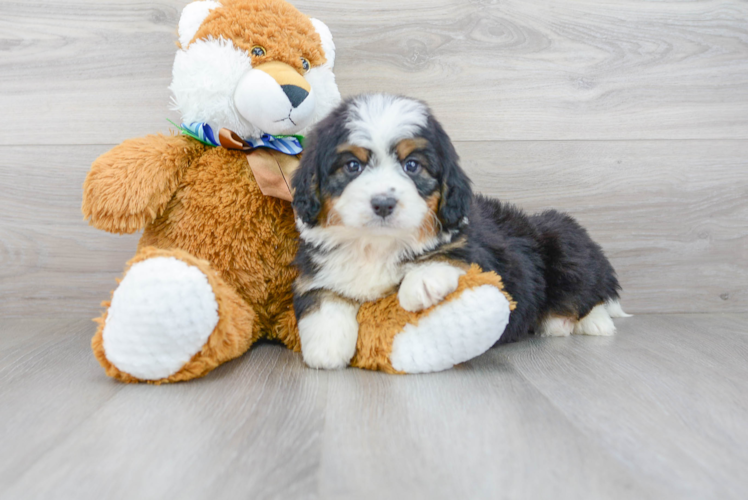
(659, 411)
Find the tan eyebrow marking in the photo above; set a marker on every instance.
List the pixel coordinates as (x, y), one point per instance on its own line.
(357, 151)
(407, 146)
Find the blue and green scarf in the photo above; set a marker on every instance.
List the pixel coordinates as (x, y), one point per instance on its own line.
(287, 144)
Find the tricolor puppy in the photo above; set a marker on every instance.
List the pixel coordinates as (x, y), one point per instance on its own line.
(382, 202)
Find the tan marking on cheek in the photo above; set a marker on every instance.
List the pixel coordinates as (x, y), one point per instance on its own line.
(328, 216)
(407, 146)
(357, 151)
(433, 202)
(430, 225)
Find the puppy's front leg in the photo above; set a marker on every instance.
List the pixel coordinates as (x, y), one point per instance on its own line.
(427, 284)
(328, 329)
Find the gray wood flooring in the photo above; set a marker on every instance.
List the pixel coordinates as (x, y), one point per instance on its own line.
(632, 115)
(659, 411)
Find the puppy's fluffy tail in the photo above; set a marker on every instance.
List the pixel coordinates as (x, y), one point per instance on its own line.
(615, 310)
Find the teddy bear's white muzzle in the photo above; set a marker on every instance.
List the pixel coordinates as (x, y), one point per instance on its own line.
(275, 109)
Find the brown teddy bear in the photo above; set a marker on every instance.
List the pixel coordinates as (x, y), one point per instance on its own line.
(213, 270)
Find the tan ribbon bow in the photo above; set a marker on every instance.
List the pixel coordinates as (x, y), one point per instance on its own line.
(272, 169)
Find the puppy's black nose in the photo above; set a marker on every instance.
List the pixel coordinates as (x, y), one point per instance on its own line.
(383, 205)
(295, 94)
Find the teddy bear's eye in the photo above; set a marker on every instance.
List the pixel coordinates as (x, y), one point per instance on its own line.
(258, 51)
(305, 64)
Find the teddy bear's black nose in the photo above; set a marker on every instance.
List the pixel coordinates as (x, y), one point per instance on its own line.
(295, 94)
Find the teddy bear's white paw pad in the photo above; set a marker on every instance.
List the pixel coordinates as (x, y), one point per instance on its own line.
(427, 285)
(597, 322)
(161, 315)
(453, 333)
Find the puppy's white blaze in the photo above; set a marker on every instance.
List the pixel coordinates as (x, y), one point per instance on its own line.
(192, 18)
(328, 335)
(384, 179)
(204, 78)
(427, 284)
(455, 332)
(379, 121)
(615, 310)
(556, 326)
(597, 322)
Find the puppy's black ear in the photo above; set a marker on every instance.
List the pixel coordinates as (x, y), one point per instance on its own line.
(456, 192)
(310, 179)
(306, 195)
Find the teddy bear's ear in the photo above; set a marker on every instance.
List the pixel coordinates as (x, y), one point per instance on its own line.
(192, 17)
(327, 44)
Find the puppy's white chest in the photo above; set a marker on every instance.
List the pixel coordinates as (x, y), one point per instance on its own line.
(360, 271)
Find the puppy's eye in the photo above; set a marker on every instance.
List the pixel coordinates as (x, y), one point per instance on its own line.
(258, 51)
(353, 167)
(305, 64)
(412, 166)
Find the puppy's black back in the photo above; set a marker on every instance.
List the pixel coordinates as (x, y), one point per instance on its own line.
(548, 262)
(578, 275)
(501, 239)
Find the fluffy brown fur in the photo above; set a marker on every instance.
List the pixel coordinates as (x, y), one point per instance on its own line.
(150, 167)
(214, 212)
(284, 33)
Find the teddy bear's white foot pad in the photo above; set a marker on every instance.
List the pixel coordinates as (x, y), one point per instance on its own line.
(161, 315)
(455, 332)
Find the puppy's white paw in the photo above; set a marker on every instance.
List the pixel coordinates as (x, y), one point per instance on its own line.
(556, 326)
(329, 334)
(597, 322)
(428, 284)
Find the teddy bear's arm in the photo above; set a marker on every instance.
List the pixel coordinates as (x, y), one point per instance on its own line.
(130, 185)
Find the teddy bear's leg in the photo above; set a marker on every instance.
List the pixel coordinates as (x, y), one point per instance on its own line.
(465, 325)
(287, 330)
(172, 318)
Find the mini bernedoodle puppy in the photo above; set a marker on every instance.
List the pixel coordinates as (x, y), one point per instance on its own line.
(381, 202)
